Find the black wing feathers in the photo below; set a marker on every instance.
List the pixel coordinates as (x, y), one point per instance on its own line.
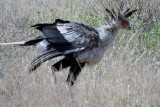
(51, 31)
(78, 34)
(41, 26)
(61, 47)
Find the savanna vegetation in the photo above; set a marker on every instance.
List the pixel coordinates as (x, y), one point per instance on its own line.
(128, 75)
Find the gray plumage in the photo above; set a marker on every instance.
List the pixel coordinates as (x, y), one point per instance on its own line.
(106, 35)
(79, 43)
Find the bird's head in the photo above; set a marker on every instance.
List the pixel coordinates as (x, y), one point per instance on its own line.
(121, 20)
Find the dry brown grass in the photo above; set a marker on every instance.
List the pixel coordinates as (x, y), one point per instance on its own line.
(122, 79)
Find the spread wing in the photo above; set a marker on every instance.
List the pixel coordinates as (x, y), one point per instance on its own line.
(78, 35)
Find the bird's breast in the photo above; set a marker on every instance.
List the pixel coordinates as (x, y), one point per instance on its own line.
(90, 56)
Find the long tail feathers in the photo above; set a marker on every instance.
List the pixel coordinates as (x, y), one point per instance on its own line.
(24, 43)
(14, 43)
(49, 54)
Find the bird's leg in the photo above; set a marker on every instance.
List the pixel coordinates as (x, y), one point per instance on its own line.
(78, 70)
(54, 70)
(64, 63)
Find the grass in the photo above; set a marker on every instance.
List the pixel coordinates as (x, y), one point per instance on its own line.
(128, 75)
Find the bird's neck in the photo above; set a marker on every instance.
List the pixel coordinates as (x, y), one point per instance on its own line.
(108, 34)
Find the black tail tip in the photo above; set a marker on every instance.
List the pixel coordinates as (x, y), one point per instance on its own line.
(37, 26)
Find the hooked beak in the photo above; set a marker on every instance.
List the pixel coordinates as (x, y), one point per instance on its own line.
(129, 28)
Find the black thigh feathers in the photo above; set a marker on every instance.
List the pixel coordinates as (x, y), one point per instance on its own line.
(75, 68)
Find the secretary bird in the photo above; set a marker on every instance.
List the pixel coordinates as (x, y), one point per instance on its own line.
(79, 43)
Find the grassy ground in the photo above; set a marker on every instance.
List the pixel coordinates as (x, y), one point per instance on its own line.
(128, 76)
